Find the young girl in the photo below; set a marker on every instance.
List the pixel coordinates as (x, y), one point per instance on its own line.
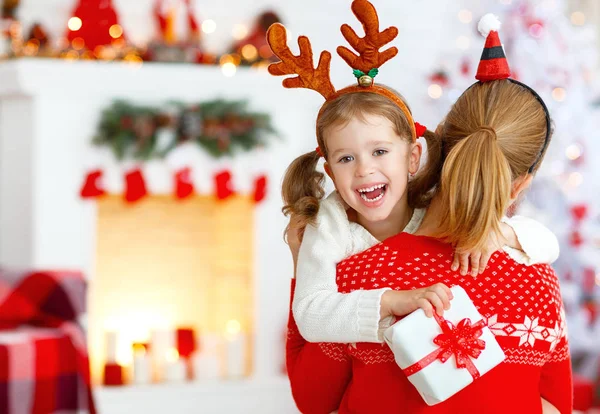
(368, 139)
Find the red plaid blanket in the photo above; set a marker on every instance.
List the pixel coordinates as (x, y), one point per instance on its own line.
(44, 365)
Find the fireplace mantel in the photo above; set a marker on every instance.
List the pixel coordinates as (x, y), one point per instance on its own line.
(48, 114)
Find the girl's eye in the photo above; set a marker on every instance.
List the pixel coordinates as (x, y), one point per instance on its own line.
(346, 159)
(380, 152)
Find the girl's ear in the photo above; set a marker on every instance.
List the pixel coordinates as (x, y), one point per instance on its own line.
(414, 160)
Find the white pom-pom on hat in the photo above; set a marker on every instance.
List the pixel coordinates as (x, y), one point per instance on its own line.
(488, 23)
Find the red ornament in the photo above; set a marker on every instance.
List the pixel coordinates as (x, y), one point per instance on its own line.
(589, 280)
(97, 18)
(223, 184)
(441, 78)
(260, 188)
(186, 342)
(92, 187)
(465, 67)
(184, 187)
(579, 212)
(135, 186)
(576, 239)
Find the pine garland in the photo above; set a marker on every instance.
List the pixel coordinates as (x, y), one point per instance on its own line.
(219, 126)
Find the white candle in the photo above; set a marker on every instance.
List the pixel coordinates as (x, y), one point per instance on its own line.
(111, 339)
(175, 369)
(142, 372)
(235, 350)
(160, 344)
(206, 366)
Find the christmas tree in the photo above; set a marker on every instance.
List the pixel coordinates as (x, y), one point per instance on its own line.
(552, 50)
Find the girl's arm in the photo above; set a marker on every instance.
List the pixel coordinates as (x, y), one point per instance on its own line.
(535, 240)
(306, 362)
(527, 241)
(321, 312)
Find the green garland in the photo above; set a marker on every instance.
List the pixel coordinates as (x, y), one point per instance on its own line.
(220, 127)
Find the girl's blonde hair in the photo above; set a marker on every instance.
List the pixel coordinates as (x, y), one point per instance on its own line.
(302, 187)
(494, 133)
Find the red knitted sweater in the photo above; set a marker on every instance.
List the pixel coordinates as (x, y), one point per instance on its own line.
(522, 306)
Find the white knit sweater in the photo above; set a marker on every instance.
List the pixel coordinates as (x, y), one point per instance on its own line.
(325, 315)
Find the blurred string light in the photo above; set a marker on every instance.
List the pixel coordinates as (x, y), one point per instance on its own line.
(573, 152)
(559, 94)
(74, 24)
(115, 31)
(435, 91)
(575, 179)
(536, 30)
(209, 26)
(465, 16)
(578, 18)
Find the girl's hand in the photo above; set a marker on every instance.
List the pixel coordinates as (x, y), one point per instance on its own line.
(476, 260)
(402, 302)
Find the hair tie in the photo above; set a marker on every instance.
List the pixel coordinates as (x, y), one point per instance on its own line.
(318, 151)
(489, 129)
(420, 129)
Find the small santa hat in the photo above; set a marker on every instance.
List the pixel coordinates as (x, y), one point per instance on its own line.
(493, 64)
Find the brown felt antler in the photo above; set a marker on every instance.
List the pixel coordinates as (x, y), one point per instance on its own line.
(368, 47)
(301, 65)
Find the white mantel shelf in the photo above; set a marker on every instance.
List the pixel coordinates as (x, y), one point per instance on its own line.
(30, 75)
(236, 396)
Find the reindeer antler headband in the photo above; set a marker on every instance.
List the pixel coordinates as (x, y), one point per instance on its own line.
(365, 65)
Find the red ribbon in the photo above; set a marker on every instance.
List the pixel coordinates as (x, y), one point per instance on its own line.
(462, 341)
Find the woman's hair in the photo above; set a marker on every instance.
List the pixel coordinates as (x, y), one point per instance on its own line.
(302, 187)
(494, 133)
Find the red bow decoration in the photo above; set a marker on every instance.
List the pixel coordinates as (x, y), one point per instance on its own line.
(461, 340)
(420, 129)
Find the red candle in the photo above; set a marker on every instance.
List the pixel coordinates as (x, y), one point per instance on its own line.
(186, 342)
(113, 374)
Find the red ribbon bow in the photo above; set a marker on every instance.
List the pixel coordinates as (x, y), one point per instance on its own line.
(461, 340)
(420, 129)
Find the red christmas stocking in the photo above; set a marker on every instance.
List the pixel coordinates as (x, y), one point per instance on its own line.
(260, 188)
(135, 187)
(183, 183)
(223, 184)
(92, 187)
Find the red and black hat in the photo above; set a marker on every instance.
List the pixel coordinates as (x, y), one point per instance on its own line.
(493, 64)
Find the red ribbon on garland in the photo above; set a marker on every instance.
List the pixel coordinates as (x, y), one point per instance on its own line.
(461, 340)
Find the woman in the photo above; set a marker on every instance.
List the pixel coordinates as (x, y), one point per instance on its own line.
(492, 142)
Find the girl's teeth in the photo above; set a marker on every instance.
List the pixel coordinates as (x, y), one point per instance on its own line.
(375, 187)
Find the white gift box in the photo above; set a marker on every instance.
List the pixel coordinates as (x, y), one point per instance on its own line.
(412, 340)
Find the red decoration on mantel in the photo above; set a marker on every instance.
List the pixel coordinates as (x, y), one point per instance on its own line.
(186, 342)
(135, 186)
(223, 184)
(113, 374)
(260, 188)
(92, 186)
(97, 17)
(184, 187)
